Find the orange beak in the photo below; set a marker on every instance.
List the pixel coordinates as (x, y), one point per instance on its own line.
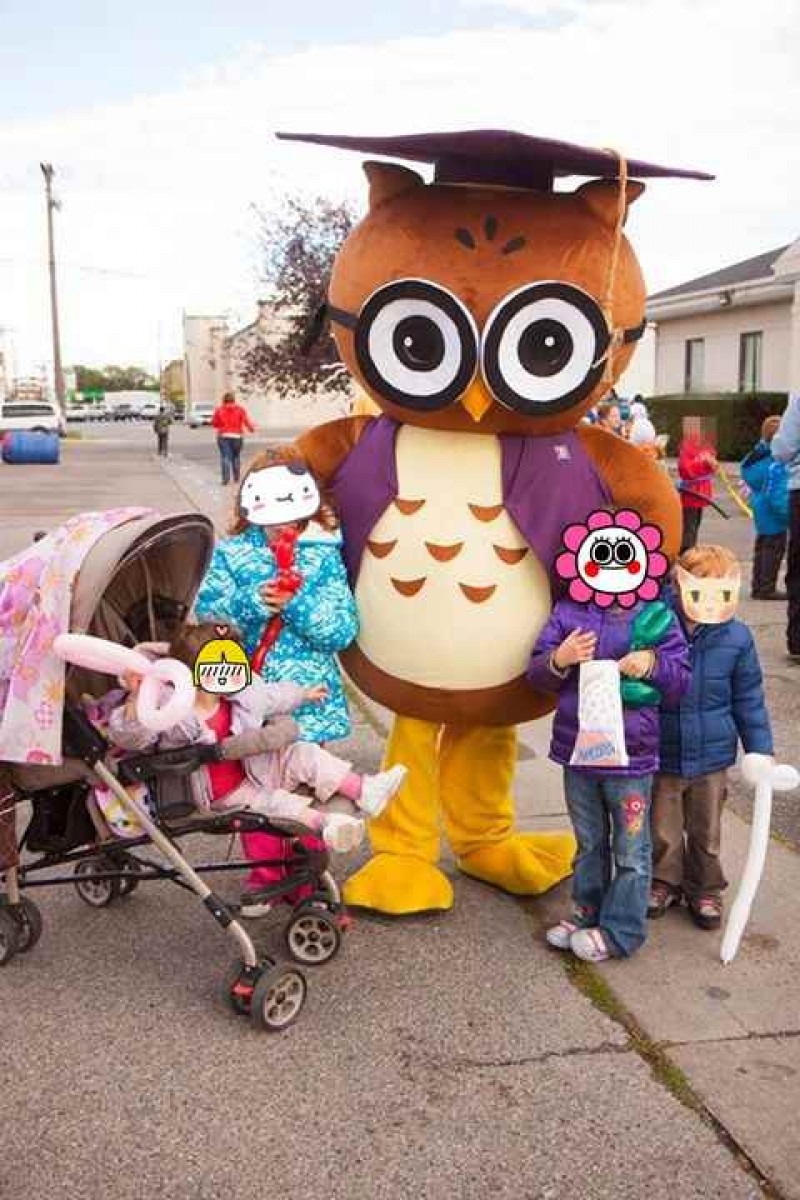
(476, 400)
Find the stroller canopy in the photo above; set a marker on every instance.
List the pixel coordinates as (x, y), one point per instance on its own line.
(129, 575)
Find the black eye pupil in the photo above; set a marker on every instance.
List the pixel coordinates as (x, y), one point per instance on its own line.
(545, 347)
(419, 343)
(624, 553)
(601, 553)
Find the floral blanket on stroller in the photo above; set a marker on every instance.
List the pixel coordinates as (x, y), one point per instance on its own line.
(35, 595)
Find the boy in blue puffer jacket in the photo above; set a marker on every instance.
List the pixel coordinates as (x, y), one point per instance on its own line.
(768, 481)
(700, 736)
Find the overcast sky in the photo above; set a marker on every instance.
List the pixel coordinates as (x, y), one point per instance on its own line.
(159, 119)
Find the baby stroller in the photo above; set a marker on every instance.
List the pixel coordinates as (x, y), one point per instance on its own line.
(134, 583)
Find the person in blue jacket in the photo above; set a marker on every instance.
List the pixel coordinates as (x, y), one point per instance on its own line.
(242, 586)
(768, 481)
(786, 449)
(700, 735)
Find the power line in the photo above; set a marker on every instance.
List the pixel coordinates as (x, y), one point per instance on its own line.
(81, 267)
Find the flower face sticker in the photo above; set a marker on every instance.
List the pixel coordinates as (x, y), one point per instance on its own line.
(222, 667)
(612, 558)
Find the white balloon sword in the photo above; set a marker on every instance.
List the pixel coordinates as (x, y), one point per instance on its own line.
(766, 776)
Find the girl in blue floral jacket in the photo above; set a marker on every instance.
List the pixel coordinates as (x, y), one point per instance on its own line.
(318, 621)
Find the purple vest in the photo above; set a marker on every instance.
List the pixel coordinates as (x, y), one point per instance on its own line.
(548, 483)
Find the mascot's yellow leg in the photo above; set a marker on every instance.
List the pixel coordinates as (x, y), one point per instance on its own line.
(403, 878)
(476, 773)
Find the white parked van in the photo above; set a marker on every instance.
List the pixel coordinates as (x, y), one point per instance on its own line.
(35, 416)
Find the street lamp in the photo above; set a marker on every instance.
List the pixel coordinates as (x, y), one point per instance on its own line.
(52, 203)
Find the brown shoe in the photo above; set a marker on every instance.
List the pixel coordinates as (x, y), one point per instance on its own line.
(706, 911)
(662, 897)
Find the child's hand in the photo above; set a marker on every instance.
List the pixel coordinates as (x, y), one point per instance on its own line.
(274, 596)
(637, 664)
(578, 647)
(317, 693)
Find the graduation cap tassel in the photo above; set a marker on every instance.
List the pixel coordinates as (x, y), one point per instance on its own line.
(608, 298)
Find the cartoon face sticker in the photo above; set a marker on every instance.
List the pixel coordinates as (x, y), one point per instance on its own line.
(279, 495)
(613, 558)
(222, 667)
(710, 600)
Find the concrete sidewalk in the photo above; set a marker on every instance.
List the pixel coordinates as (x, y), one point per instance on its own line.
(735, 1030)
(450, 1058)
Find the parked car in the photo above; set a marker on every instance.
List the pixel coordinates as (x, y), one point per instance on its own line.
(200, 415)
(35, 416)
(149, 410)
(79, 412)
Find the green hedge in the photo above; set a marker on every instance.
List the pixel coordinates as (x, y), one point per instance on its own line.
(734, 417)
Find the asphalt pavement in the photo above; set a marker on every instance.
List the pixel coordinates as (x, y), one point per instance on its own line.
(449, 1057)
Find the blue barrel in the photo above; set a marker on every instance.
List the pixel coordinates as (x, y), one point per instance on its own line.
(24, 447)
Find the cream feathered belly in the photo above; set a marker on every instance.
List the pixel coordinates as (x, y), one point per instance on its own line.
(449, 593)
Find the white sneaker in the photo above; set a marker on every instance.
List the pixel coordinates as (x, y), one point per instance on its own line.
(560, 935)
(590, 945)
(377, 790)
(252, 905)
(341, 833)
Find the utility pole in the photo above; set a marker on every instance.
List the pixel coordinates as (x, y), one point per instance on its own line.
(52, 203)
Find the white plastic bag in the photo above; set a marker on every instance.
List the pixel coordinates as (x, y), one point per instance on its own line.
(601, 729)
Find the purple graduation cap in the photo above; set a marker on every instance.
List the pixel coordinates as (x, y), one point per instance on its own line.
(497, 156)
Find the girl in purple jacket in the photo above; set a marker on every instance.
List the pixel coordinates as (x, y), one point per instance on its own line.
(608, 804)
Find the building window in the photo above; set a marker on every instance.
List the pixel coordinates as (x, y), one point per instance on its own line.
(693, 365)
(750, 362)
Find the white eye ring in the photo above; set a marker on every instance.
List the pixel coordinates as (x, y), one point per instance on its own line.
(381, 350)
(564, 307)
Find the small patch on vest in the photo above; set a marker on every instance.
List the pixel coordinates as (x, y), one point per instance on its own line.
(563, 453)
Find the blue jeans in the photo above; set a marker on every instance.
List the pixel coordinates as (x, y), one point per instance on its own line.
(230, 451)
(613, 866)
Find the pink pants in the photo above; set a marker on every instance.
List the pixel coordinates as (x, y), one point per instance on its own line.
(303, 763)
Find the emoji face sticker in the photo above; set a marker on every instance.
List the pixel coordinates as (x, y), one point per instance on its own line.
(710, 600)
(222, 667)
(279, 495)
(613, 558)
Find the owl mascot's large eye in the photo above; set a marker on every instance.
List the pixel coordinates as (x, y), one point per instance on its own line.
(416, 344)
(543, 348)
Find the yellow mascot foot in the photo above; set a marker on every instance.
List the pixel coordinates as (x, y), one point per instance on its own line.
(398, 884)
(524, 864)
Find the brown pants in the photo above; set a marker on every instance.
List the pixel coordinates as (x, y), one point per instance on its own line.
(685, 823)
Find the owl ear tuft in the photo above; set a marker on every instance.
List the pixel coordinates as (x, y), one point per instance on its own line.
(387, 180)
(601, 197)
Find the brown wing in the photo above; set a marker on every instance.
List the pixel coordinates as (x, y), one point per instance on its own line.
(636, 482)
(325, 447)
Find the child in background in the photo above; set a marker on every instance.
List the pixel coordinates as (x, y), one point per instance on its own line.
(697, 463)
(273, 762)
(768, 481)
(608, 806)
(723, 706)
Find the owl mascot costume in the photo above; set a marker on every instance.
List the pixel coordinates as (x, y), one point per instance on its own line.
(483, 313)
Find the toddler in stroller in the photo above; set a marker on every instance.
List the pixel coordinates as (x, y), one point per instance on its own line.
(268, 764)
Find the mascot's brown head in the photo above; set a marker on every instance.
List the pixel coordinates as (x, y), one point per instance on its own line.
(486, 301)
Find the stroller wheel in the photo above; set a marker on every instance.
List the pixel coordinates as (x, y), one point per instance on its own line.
(29, 924)
(312, 936)
(278, 998)
(130, 883)
(9, 937)
(97, 893)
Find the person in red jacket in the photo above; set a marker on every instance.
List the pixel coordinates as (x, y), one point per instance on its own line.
(696, 466)
(230, 421)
